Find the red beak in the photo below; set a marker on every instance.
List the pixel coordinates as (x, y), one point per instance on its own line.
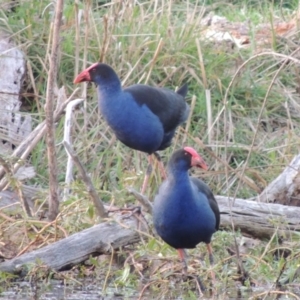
(199, 162)
(83, 76)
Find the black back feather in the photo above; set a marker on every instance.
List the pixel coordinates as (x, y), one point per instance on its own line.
(170, 107)
(210, 196)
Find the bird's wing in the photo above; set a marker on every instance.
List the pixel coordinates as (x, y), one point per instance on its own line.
(170, 107)
(204, 188)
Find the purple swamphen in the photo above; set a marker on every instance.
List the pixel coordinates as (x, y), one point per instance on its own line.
(142, 117)
(185, 211)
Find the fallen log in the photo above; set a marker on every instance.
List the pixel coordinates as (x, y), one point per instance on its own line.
(259, 220)
(252, 218)
(285, 189)
(64, 254)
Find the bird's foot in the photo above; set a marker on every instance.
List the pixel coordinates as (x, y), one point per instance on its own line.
(198, 280)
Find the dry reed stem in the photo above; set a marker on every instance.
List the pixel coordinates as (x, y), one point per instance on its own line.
(32, 81)
(155, 56)
(189, 120)
(246, 180)
(77, 36)
(86, 179)
(4, 216)
(241, 67)
(278, 293)
(266, 249)
(105, 42)
(201, 63)
(23, 199)
(49, 111)
(260, 117)
(39, 233)
(109, 269)
(209, 115)
(85, 84)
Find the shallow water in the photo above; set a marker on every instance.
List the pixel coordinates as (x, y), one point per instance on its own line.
(56, 289)
(87, 289)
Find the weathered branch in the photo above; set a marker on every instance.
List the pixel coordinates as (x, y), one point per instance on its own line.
(143, 200)
(25, 148)
(259, 220)
(86, 179)
(285, 189)
(68, 139)
(76, 248)
(253, 218)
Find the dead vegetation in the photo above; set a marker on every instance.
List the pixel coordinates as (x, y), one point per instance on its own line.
(246, 106)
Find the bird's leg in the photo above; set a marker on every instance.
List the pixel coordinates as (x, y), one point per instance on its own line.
(183, 257)
(211, 261)
(160, 165)
(147, 176)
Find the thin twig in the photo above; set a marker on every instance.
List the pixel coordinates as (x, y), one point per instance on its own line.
(86, 179)
(144, 201)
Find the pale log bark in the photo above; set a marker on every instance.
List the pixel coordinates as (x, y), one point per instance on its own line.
(285, 189)
(25, 148)
(62, 255)
(68, 139)
(259, 220)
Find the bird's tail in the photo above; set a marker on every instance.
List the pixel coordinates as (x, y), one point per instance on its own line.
(183, 90)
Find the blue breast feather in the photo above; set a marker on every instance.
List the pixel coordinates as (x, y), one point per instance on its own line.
(134, 125)
(183, 216)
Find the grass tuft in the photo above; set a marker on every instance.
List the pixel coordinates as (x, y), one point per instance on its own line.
(245, 121)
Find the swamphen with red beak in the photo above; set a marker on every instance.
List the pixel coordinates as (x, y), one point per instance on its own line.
(185, 211)
(142, 117)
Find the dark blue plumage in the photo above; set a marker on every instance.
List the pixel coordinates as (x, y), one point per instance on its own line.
(185, 211)
(142, 117)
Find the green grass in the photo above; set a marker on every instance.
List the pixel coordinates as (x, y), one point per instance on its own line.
(157, 42)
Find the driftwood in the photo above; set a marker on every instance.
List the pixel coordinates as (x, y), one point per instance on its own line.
(64, 254)
(260, 220)
(14, 126)
(254, 218)
(285, 189)
(68, 139)
(26, 146)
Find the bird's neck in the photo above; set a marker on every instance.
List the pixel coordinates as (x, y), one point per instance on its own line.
(178, 176)
(109, 90)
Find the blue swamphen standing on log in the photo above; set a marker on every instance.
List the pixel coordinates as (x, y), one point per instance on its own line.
(185, 211)
(142, 117)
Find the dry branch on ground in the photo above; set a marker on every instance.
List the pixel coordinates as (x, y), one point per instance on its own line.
(64, 254)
